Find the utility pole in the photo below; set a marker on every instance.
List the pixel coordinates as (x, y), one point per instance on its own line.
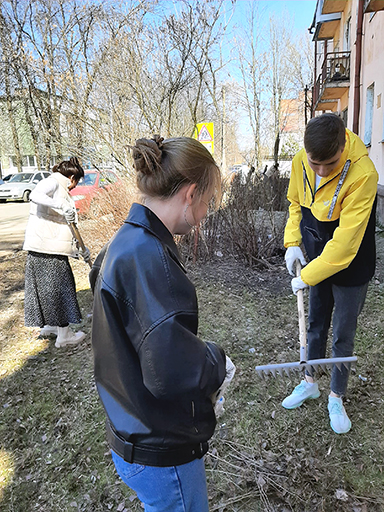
(223, 160)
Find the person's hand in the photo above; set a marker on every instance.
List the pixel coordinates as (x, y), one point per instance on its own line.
(292, 254)
(218, 398)
(86, 254)
(218, 407)
(298, 284)
(69, 214)
(230, 370)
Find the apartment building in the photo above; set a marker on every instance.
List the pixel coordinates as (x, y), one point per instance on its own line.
(349, 72)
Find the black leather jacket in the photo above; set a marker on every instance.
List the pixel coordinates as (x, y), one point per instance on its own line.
(153, 374)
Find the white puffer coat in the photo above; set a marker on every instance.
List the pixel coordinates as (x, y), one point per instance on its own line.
(47, 230)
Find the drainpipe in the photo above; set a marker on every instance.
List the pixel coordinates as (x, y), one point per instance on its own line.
(359, 38)
(314, 84)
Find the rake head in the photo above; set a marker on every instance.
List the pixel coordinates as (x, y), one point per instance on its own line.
(312, 366)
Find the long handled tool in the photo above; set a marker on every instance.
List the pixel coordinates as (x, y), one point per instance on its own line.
(312, 365)
(76, 234)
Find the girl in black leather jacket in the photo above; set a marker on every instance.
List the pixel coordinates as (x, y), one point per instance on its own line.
(155, 377)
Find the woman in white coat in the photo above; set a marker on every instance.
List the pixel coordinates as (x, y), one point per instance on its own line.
(50, 292)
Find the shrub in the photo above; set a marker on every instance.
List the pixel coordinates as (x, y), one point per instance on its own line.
(249, 225)
(107, 213)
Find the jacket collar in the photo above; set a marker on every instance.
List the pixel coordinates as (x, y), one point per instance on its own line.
(62, 180)
(140, 215)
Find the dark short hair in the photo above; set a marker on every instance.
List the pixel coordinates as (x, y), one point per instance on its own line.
(70, 168)
(324, 136)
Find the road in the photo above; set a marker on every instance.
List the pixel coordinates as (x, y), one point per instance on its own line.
(13, 221)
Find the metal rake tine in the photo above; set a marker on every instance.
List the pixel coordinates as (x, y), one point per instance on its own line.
(339, 366)
(287, 372)
(315, 368)
(347, 365)
(273, 371)
(308, 367)
(260, 374)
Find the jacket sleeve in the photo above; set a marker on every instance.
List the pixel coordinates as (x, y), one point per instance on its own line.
(174, 361)
(43, 194)
(339, 252)
(292, 234)
(95, 270)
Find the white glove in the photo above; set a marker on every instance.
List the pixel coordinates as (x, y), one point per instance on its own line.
(218, 398)
(69, 214)
(218, 407)
(86, 254)
(292, 254)
(298, 284)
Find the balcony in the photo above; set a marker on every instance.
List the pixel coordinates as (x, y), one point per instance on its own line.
(333, 81)
(326, 23)
(373, 5)
(331, 6)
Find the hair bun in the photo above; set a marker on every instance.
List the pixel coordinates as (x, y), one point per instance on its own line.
(158, 140)
(147, 154)
(75, 162)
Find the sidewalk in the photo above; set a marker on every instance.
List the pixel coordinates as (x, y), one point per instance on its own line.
(13, 221)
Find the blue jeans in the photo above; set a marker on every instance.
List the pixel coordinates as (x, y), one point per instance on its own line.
(346, 303)
(171, 489)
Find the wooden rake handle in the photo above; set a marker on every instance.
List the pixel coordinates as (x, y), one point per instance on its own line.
(76, 234)
(302, 326)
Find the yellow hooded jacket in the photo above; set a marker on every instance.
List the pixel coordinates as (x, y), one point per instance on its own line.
(333, 244)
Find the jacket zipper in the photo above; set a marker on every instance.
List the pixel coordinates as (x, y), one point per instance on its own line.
(193, 416)
(309, 185)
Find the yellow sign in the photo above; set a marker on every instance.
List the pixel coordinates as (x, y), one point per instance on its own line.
(204, 133)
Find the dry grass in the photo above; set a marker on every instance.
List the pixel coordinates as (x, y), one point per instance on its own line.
(53, 454)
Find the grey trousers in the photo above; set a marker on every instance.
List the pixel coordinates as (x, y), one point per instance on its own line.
(346, 303)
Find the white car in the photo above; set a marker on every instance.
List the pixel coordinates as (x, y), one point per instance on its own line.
(21, 185)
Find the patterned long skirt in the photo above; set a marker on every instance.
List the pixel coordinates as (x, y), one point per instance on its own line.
(50, 291)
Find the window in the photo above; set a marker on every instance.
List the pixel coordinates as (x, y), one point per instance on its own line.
(347, 35)
(38, 177)
(369, 115)
(26, 161)
(24, 177)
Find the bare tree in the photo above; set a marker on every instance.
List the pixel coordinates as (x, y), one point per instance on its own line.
(253, 66)
(7, 75)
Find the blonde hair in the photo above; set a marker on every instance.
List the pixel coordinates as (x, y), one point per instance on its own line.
(164, 166)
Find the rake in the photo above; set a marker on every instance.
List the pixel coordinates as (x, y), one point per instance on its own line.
(313, 365)
(75, 232)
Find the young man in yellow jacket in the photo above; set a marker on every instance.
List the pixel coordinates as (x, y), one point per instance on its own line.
(332, 191)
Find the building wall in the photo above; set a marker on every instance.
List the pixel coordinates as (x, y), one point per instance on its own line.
(372, 74)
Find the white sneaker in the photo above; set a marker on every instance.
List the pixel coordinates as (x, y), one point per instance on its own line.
(67, 337)
(47, 330)
(339, 420)
(304, 391)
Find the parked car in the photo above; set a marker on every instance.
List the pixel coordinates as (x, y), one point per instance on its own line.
(93, 183)
(21, 185)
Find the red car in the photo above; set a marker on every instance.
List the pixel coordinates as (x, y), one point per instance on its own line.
(93, 183)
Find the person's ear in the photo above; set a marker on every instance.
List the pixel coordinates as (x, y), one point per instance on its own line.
(190, 193)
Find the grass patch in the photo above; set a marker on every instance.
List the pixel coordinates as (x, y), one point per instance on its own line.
(53, 453)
